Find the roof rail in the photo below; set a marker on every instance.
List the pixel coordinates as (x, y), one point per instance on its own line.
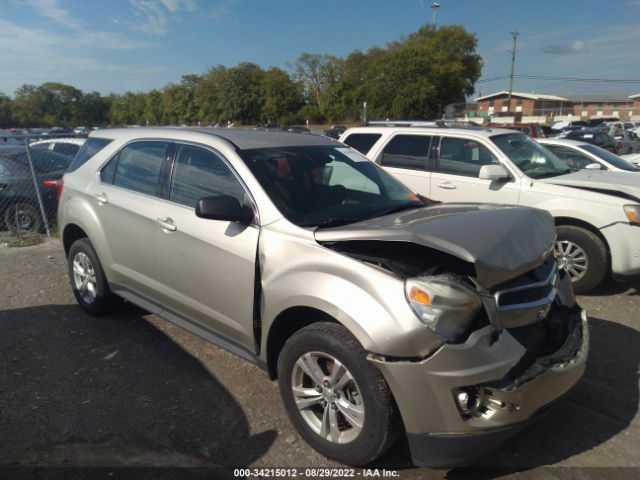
(423, 123)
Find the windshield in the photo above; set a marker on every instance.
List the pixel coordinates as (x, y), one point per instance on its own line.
(529, 156)
(326, 186)
(610, 158)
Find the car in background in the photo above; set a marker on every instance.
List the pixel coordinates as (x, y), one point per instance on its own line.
(548, 131)
(597, 213)
(578, 155)
(595, 136)
(297, 129)
(65, 146)
(633, 158)
(532, 129)
(19, 206)
(627, 141)
(564, 124)
(335, 131)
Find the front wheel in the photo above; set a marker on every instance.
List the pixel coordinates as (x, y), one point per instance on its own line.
(337, 400)
(582, 255)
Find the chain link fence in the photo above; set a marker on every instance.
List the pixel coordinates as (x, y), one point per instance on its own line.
(31, 170)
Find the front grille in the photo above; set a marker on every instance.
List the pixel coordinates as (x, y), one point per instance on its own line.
(537, 288)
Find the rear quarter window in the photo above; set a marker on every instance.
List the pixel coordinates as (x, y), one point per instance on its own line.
(92, 146)
(362, 142)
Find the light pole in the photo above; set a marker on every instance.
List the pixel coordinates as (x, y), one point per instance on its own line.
(434, 7)
(514, 34)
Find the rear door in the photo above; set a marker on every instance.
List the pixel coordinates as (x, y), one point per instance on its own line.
(125, 198)
(206, 267)
(456, 169)
(406, 156)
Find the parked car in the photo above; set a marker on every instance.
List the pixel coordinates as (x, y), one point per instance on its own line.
(633, 158)
(627, 142)
(594, 136)
(578, 155)
(532, 129)
(597, 213)
(19, 205)
(298, 129)
(564, 124)
(65, 146)
(298, 254)
(335, 131)
(548, 131)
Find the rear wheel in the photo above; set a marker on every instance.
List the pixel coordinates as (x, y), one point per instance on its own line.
(88, 281)
(337, 400)
(582, 255)
(23, 217)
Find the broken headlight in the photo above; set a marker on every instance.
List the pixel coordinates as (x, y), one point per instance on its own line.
(444, 305)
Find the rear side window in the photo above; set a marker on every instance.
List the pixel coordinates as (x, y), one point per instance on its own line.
(137, 167)
(92, 146)
(406, 151)
(460, 156)
(200, 173)
(362, 142)
(66, 148)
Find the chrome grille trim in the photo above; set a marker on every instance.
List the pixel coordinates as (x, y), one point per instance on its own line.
(551, 280)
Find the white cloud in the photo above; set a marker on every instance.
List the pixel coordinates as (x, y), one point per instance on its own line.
(53, 11)
(151, 15)
(179, 5)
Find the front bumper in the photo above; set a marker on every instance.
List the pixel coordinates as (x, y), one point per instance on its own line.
(624, 244)
(440, 433)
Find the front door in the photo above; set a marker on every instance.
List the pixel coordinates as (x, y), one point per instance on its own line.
(455, 177)
(206, 268)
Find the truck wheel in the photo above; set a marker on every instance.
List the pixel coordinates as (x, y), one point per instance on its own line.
(23, 217)
(337, 400)
(88, 281)
(583, 255)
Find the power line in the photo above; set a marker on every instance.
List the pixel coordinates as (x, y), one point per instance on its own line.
(562, 79)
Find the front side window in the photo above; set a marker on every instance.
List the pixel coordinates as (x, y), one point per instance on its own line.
(362, 142)
(200, 173)
(406, 151)
(572, 158)
(325, 185)
(461, 156)
(529, 156)
(138, 166)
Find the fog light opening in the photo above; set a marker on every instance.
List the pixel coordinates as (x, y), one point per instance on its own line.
(470, 401)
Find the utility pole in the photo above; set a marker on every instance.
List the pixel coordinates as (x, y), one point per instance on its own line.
(434, 7)
(514, 34)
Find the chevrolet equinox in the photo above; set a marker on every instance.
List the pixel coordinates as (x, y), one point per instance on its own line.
(379, 312)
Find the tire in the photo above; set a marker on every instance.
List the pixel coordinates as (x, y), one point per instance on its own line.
(595, 266)
(366, 393)
(96, 298)
(29, 219)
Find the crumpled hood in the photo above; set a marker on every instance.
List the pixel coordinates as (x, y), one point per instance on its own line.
(609, 182)
(502, 242)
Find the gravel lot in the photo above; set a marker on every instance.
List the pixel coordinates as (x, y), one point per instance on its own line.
(131, 390)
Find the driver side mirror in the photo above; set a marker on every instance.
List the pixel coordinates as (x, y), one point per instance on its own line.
(593, 166)
(493, 173)
(225, 208)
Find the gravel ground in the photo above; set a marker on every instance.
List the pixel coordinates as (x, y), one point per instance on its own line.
(119, 393)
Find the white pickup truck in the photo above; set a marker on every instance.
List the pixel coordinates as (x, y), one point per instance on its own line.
(597, 213)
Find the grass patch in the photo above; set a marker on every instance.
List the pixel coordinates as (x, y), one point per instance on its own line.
(27, 240)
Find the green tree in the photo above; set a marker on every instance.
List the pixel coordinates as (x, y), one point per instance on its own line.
(281, 96)
(6, 111)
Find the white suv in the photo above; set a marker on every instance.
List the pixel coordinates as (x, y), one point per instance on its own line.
(597, 213)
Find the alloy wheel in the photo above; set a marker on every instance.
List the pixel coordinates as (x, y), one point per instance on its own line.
(327, 397)
(572, 258)
(84, 277)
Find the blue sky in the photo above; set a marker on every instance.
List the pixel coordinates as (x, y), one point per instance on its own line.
(119, 45)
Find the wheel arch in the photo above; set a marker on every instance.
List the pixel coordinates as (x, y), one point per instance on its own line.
(570, 221)
(70, 234)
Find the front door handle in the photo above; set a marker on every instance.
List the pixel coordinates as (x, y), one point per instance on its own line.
(102, 198)
(167, 224)
(447, 186)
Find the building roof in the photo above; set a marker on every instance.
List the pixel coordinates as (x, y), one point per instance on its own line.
(242, 139)
(602, 98)
(637, 95)
(530, 96)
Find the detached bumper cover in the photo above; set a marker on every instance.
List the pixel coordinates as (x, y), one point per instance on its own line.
(439, 433)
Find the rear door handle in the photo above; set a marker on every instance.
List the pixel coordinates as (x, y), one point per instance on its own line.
(102, 198)
(167, 224)
(447, 186)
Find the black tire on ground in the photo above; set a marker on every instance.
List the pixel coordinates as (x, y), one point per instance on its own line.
(104, 301)
(23, 217)
(381, 424)
(596, 252)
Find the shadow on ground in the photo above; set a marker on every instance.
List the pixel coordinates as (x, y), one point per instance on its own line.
(112, 391)
(631, 285)
(602, 405)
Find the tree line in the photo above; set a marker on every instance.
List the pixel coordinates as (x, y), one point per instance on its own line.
(412, 78)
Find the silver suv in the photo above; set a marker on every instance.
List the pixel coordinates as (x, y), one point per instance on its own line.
(377, 313)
